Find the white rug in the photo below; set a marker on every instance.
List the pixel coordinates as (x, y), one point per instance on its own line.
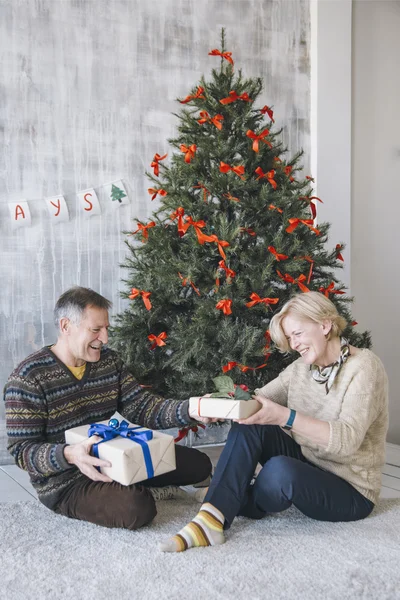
(45, 556)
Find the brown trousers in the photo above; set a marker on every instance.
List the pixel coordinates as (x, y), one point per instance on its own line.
(130, 506)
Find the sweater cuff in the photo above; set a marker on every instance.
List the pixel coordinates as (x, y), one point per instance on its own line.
(60, 458)
(183, 414)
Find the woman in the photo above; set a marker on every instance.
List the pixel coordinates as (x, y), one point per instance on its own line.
(319, 434)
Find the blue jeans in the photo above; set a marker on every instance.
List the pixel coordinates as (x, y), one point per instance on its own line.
(286, 478)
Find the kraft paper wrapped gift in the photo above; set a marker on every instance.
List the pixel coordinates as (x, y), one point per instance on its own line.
(222, 408)
(127, 457)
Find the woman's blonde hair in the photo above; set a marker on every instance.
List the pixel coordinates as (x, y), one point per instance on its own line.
(312, 306)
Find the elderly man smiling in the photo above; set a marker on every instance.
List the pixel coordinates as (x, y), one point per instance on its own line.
(78, 381)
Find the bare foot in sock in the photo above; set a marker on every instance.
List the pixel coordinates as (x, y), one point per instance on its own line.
(206, 529)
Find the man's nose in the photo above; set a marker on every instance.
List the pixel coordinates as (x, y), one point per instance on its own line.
(103, 336)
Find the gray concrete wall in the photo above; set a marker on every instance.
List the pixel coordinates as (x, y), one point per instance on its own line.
(87, 92)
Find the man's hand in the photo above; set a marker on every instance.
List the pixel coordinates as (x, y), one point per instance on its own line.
(79, 455)
(270, 413)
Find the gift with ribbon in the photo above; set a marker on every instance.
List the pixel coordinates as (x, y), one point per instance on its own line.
(230, 401)
(135, 453)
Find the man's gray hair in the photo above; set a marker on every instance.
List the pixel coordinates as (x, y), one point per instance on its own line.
(73, 303)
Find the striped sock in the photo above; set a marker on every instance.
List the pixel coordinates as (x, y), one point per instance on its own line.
(206, 529)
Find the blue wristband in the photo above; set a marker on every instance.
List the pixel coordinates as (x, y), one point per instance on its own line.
(290, 420)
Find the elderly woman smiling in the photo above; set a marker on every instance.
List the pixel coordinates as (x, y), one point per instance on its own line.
(319, 435)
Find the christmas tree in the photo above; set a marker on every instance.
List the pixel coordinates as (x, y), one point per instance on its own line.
(233, 239)
(117, 193)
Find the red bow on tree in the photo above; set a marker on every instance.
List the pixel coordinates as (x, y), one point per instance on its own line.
(258, 138)
(205, 191)
(287, 170)
(182, 433)
(339, 256)
(270, 113)
(156, 191)
(189, 152)
(225, 168)
(205, 118)
(330, 290)
(273, 207)
(295, 222)
(144, 229)
(225, 306)
(299, 281)
(226, 55)
(232, 364)
(233, 96)
(145, 296)
(311, 204)
(255, 299)
(276, 254)
(230, 274)
(198, 94)
(178, 214)
(229, 196)
(158, 340)
(184, 282)
(155, 163)
(268, 176)
(198, 225)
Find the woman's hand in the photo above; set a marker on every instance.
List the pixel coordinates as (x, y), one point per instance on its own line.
(270, 413)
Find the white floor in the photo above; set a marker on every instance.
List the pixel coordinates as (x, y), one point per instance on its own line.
(15, 484)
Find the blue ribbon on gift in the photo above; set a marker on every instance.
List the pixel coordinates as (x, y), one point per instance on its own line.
(139, 437)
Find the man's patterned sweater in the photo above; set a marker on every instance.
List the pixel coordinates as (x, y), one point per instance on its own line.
(43, 399)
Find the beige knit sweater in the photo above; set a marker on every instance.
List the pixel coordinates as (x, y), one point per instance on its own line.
(356, 409)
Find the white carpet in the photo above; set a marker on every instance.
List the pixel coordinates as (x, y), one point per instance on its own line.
(45, 556)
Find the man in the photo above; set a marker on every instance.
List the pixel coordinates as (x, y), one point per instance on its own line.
(79, 381)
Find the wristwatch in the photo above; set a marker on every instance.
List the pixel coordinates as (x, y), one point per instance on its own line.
(290, 421)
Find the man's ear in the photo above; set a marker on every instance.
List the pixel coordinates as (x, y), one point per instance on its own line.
(64, 325)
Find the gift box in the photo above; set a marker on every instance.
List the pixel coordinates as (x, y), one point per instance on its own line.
(222, 408)
(135, 453)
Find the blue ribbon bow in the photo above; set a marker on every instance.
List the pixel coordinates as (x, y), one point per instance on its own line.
(108, 433)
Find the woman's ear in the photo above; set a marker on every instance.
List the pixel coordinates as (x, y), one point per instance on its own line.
(326, 326)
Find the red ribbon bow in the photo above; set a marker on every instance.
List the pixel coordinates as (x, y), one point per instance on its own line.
(270, 113)
(267, 346)
(155, 163)
(269, 176)
(233, 96)
(230, 274)
(205, 191)
(299, 281)
(182, 433)
(258, 138)
(225, 306)
(226, 55)
(178, 214)
(189, 152)
(273, 207)
(198, 225)
(311, 261)
(276, 254)
(232, 364)
(205, 118)
(287, 170)
(248, 230)
(220, 243)
(184, 282)
(330, 290)
(156, 191)
(225, 168)
(145, 296)
(144, 229)
(255, 299)
(229, 196)
(198, 94)
(311, 204)
(157, 339)
(338, 252)
(295, 222)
